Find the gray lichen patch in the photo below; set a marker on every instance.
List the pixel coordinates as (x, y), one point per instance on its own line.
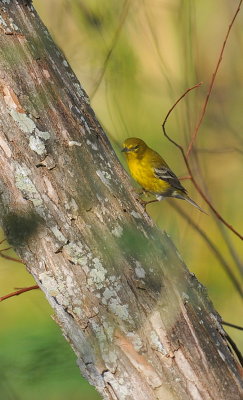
(120, 310)
(112, 297)
(107, 295)
(136, 340)
(42, 134)
(92, 144)
(63, 287)
(81, 93)
(72, 205)
(122, 391)
(50, 283)
(77, 253)
(97, 278)
(37, 141)
(25, 123)
(156, 343)
(104, 340)
(37, 145)
(97, 274)
(25, 185)
(136, 215)
(104, 177)
(72, 208)
(2, 22)
(28, 126)
(58, 234)
(13, 25)
(139, 271)
(74, 143)
(117, 231)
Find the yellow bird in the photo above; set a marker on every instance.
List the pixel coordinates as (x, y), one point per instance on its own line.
(149, 169)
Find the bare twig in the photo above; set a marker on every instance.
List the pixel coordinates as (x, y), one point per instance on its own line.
(17, 292)
(113, 45)
(172, 108)
(220, 226)
(235, 348)
(184, 178)
(7, 248)
(232, 325)
(189, 168)
(212, 246)
(195, 133)
(10, 258)
(238, 262)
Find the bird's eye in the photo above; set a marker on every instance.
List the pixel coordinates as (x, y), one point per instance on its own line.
(136, 147)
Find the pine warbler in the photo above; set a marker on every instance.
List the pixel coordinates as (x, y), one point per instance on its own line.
(149, 169)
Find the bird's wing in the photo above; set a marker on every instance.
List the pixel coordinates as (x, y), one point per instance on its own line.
(164, 173)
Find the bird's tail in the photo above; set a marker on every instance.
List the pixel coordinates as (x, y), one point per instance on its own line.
(184, 196)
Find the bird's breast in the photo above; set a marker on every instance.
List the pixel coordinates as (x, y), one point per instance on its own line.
(143, 173)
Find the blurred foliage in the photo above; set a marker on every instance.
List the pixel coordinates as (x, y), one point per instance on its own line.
(150, 52)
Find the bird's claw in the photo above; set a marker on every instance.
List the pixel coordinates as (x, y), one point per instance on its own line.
(145, 203)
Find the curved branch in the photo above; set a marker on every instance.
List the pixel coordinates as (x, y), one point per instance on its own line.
(212, 246)
(219, 216)
(195, 133)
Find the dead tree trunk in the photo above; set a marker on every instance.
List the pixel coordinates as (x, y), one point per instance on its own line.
(140, 324)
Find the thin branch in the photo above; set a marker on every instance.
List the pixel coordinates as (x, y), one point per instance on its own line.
(195, 133)
(113, 45)
(189, 168)
(232, 325)
(7, 248)
(10, 258)
(17, 292)
(212, 246)
(218, 215)
(220, 226)
(235, 348)
(238, 262)
(172, 108)
(184, 178)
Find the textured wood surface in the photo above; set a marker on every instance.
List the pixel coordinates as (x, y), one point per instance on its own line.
(139, 322)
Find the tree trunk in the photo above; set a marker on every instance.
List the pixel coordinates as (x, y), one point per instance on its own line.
(139, 322)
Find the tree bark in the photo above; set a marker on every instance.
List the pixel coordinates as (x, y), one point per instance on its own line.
(139, 322)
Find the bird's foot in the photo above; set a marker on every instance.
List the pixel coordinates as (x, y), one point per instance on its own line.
(145, 203)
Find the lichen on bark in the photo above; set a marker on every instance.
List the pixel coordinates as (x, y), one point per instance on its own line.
(141, 325)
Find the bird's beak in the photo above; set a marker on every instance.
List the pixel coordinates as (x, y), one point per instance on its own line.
(125, 150)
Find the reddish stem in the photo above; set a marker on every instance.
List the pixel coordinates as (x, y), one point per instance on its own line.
(184, 178)
(195, 133)
(10, 258)
(17, 292)
(189, 168)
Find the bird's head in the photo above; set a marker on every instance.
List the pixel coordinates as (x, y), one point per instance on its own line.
(134, 147)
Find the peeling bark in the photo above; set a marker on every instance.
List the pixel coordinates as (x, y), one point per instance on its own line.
(139, 322)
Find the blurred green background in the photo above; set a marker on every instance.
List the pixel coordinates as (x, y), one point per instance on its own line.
(147, 53)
